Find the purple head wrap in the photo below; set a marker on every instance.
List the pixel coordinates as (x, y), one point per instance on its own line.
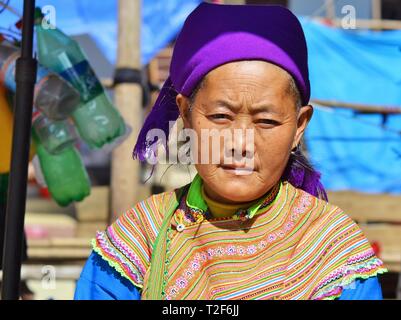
(213, 35)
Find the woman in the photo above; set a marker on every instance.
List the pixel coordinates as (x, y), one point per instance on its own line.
(255, 227)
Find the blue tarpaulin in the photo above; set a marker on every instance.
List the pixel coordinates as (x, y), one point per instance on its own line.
(161, 21)
(355, 152)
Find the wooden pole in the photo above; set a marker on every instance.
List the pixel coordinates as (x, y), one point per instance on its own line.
(376, 9)
(330, 10)
(125, 172)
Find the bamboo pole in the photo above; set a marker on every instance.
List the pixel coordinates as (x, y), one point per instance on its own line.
(376, 9)
(362, 108)
(330, 9)
(125, 172)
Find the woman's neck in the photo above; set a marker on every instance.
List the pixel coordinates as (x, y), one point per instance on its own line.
(220, 209)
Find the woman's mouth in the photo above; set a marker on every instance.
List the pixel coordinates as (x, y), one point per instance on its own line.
(237, 170)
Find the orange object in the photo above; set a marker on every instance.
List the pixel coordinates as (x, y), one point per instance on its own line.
(376, 248)
(6, 134)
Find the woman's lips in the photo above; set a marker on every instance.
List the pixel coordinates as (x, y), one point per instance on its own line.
(237, 170)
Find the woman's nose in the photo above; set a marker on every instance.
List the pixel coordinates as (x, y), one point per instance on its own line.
(241, 145)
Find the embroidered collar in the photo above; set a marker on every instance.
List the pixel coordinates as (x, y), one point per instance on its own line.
(199, 209)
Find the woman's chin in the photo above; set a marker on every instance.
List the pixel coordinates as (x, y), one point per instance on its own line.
(235, 188)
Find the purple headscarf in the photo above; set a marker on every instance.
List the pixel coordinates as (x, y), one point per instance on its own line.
(213, 35)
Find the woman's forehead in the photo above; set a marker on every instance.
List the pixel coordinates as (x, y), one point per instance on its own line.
(253, 79)
(252, 71)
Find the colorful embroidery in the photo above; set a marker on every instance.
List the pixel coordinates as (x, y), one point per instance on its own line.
(241, 251)
(294, 247)
(126, 244)
(334, 284)
(117, 260)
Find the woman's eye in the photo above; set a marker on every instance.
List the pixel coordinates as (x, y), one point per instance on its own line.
(267, 122)
(219, 116)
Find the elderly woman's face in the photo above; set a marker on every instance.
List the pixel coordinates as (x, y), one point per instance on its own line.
(238, 96)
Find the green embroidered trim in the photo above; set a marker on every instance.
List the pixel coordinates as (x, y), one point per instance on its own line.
(167, 262)
(252, 211)
(325, 292)
(353, 278)
(195, 200)
(194, 197)
(113, 264)
(158, 267)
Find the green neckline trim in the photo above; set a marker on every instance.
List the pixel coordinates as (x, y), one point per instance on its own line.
(253, 210)
(194, 197)
(195, 200)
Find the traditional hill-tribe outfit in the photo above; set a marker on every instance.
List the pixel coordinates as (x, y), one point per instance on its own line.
(289, 244)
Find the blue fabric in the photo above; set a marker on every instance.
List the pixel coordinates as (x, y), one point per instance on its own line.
(99, 281)
(352, 151)
(161, 21)
(363, 289)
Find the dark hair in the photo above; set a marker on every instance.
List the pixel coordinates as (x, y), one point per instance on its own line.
(301, 174)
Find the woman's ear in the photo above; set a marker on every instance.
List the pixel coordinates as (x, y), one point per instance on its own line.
(184, 108)
(304, 115)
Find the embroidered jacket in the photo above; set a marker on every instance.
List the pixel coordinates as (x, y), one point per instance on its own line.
(289, 245)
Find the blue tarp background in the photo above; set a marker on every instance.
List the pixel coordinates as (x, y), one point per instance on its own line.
(161, 21)
(352, 152)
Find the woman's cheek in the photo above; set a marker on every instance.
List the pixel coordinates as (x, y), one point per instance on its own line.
(272, 151)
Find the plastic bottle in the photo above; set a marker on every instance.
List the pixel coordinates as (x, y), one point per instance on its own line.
(54, 96)
(97, 120)
(53, 135)
(64, 174)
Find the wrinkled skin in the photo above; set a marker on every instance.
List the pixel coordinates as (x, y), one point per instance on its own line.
(246, 95)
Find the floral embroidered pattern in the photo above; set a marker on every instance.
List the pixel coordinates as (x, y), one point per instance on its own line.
(300, 207)
(255, 256)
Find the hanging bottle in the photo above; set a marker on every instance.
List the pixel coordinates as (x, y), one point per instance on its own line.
(64, 174)
(97, 120)
(54, 96)
(53, 135)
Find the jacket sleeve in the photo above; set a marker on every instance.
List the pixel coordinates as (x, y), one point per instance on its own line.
(99, 281)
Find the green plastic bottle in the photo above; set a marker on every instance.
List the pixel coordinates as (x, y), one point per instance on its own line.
(53, 135)
(97, 120)
(64, 174)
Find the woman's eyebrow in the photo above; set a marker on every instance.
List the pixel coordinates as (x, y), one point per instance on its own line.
(227, 104)
(265, 107)
(254, 109)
